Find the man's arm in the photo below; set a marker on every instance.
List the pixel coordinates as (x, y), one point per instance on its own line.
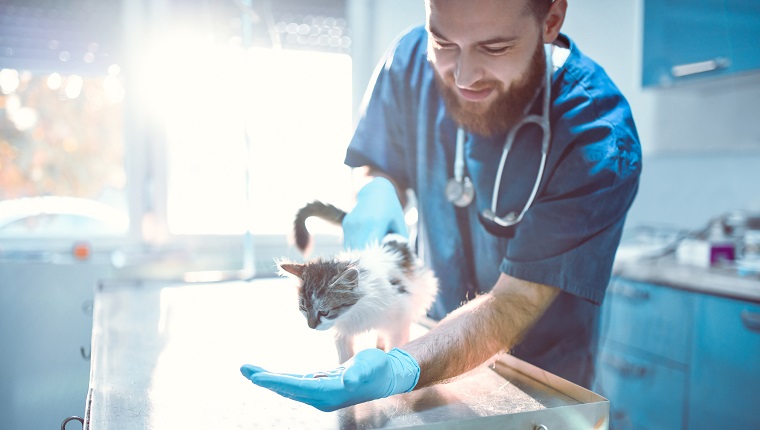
(464, 340)
(476, 332)
(484, 327)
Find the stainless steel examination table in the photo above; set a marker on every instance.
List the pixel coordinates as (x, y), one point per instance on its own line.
(167, 356)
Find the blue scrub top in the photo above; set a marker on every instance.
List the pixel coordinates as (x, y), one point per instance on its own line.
(567, 238)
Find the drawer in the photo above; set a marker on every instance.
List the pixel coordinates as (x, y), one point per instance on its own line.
(726, 365)
(643, 394)
(654, 319)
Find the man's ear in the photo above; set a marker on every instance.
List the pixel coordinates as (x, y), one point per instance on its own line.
(554, 20)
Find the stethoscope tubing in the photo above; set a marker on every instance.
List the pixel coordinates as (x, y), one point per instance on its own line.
(540, 120)
(459, 159)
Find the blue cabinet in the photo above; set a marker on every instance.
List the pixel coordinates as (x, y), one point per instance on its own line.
(652, 320)
(644, 394)
(687, 40)
(642, 367)
(725, 365)
(677, 359)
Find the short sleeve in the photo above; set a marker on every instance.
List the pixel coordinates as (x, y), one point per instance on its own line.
(388, 116)
(569, 237)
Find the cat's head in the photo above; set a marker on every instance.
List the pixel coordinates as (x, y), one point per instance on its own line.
(327, 289)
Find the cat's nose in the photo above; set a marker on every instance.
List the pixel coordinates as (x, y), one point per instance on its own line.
(313, 322)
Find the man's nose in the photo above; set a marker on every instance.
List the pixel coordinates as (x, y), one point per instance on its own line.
(468, 70)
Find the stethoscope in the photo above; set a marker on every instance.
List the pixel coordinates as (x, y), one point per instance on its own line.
(460, 190)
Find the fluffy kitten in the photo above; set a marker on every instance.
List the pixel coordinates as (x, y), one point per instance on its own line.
(383, 287)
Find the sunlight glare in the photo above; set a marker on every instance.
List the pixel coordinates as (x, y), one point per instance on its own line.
(294, 107)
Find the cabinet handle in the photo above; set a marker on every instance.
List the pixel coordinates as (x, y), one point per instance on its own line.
(751, 320)
(625, 368)
(681, 70)
(630, 292)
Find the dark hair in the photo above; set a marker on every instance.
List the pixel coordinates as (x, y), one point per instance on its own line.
(539, 8)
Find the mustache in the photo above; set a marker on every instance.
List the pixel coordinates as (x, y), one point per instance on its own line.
(502, 112)
(484, 84)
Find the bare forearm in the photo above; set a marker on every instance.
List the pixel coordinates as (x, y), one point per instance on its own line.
(486, 326)
(461, 342)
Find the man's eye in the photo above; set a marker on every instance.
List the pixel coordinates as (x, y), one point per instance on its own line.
(442, 45)
(496, 50)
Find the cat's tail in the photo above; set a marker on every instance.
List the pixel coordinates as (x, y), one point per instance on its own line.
(318, 209)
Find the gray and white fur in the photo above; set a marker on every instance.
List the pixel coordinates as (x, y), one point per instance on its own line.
(383, 287)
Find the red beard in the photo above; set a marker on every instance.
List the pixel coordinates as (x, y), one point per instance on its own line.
(508, 109)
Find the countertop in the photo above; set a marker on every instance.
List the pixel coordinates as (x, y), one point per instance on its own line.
(666, 270)
(166, 356)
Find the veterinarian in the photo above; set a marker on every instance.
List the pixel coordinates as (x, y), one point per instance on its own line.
(521, 193)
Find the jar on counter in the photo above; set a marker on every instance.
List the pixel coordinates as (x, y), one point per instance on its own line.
(748, 258)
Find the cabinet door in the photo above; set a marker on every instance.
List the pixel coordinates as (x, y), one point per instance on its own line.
(681, 38)
(45, 326)
(653, 319)
(643, 395)
(725, 365)
(744, 33)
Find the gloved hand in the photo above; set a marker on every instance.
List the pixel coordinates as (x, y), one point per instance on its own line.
(371, 374)
(377, 213)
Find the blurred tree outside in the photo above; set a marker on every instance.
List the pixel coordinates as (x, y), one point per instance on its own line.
(60, 136)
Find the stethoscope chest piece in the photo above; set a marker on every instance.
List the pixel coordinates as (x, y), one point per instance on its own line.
(460, 192)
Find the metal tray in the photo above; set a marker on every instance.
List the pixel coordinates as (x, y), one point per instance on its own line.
(166, 356)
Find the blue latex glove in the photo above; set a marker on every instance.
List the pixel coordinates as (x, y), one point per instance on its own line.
(371, 374)
(377, 213)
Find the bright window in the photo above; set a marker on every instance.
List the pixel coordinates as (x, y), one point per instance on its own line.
(192, 136)
(294, 108)
(249, 137)
(62, 170)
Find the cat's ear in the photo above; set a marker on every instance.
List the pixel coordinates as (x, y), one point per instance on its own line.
(292, 268)
(349, 278)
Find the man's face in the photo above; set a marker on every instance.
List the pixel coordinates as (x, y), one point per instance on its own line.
(489, 60)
